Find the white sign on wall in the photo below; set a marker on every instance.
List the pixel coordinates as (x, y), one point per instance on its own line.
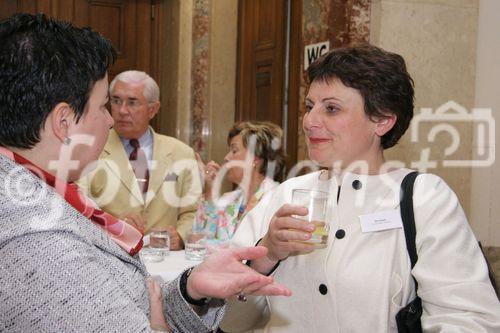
(314, 51)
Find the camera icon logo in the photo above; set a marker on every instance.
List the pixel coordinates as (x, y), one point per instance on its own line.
(448, 118)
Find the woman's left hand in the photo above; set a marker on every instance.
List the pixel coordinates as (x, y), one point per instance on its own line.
(157, 318)
(223, 275)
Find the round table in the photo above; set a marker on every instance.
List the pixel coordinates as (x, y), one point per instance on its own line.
(171, 266)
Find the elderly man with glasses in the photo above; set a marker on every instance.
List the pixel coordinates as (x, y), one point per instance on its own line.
(147, 179)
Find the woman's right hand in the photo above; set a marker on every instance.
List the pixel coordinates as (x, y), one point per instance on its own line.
(223, 275)
(285, 235)
(211, 169)
(157, 318)
(208, 172)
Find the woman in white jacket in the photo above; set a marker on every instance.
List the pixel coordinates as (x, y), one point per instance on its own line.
(360, 102)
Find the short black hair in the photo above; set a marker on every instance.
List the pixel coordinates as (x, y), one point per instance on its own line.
(380, 77)
(44, 62)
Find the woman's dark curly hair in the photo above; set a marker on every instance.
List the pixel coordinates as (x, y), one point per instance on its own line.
(380, 77)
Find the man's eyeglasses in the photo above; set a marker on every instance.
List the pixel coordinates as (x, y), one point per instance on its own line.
(130, 103)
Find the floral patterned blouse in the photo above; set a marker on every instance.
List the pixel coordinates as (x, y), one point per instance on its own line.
(220, 219)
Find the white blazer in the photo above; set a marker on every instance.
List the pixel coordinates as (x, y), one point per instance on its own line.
(361, 280)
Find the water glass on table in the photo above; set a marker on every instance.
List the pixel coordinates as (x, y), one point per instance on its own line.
(158, 247)
(196, 247)
(316, 202)
(215, 245)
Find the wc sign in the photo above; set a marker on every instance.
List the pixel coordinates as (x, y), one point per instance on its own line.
(314, 51)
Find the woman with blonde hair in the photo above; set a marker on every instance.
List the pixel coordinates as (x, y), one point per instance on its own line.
(254, 164)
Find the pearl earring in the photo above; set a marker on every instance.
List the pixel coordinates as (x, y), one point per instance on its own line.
(67, 141)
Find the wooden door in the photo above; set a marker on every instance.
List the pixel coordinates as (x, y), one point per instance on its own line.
(132, 26)
(266, 90)
(261, 55)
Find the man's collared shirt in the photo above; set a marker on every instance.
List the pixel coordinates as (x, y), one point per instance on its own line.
(146, 143)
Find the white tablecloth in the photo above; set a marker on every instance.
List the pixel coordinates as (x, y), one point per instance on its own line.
(173, 265)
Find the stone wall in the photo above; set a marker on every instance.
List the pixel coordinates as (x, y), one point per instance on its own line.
(437, 38)
(342, 23)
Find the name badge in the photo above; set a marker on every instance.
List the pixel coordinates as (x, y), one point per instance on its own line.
(389, 219)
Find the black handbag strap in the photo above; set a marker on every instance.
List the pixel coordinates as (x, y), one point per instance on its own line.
(406, 208)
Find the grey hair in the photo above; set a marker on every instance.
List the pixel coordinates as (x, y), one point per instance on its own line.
(151, 90)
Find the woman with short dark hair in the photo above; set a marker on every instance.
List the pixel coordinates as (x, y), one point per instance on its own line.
(65, 265)
(359, 103)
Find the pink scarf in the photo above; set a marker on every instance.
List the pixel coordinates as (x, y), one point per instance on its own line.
(122, 233)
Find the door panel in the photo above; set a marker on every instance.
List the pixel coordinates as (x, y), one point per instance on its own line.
(261, 71)
(267, 28)
(118, 20)
(262, 33)
(7, 8)
(263, 92)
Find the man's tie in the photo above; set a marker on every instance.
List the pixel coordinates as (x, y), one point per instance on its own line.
(139, 163)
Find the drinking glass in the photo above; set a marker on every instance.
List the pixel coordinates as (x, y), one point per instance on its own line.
(316, 202)
(158, 247)
(196, 245)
